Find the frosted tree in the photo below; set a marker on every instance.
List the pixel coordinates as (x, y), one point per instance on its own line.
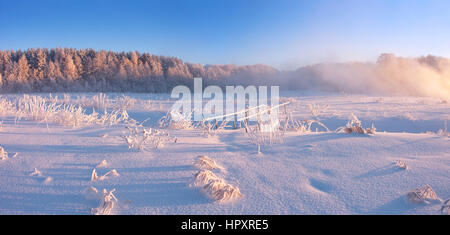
(23, 72)
(69, 70)
(53, 71)
(39, 64)
(197, 70)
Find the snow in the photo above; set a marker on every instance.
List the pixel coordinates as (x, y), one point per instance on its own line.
(307, 173)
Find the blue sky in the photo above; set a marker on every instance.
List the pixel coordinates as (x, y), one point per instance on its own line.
(282, 33)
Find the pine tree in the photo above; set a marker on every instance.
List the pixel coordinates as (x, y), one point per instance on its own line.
(23, 72)
(69, 70)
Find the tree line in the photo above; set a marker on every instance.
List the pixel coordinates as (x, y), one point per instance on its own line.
(69, 69)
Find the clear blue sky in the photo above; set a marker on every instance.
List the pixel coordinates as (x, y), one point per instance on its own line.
(281, 33)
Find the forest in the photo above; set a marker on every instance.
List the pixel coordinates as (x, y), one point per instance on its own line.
(68, 69)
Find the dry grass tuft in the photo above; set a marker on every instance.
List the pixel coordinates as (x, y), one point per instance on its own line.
(205, 163)
(203, 177)
(36, 172)
(444, 132)
(3, 154)
(422, 194)
(107, 203)
(215, 187)
(221, 191)
(95, 177)
(401, 164)
(175, 120)
(50, 110)
(142, 139)
(354, 126)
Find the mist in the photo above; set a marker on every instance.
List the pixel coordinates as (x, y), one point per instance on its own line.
(390, 75)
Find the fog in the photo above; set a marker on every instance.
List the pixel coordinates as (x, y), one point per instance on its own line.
(390, 75)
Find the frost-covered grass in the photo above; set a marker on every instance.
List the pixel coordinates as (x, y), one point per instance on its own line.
(49, 110)
(205, 163)
(145, 138)
(315, 171)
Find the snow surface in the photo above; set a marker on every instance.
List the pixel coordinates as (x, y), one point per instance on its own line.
(308, 173)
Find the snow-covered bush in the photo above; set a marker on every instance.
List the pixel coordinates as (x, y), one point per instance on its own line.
(422, 194)
(142, 138)
(205, 163)
(354, 126)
